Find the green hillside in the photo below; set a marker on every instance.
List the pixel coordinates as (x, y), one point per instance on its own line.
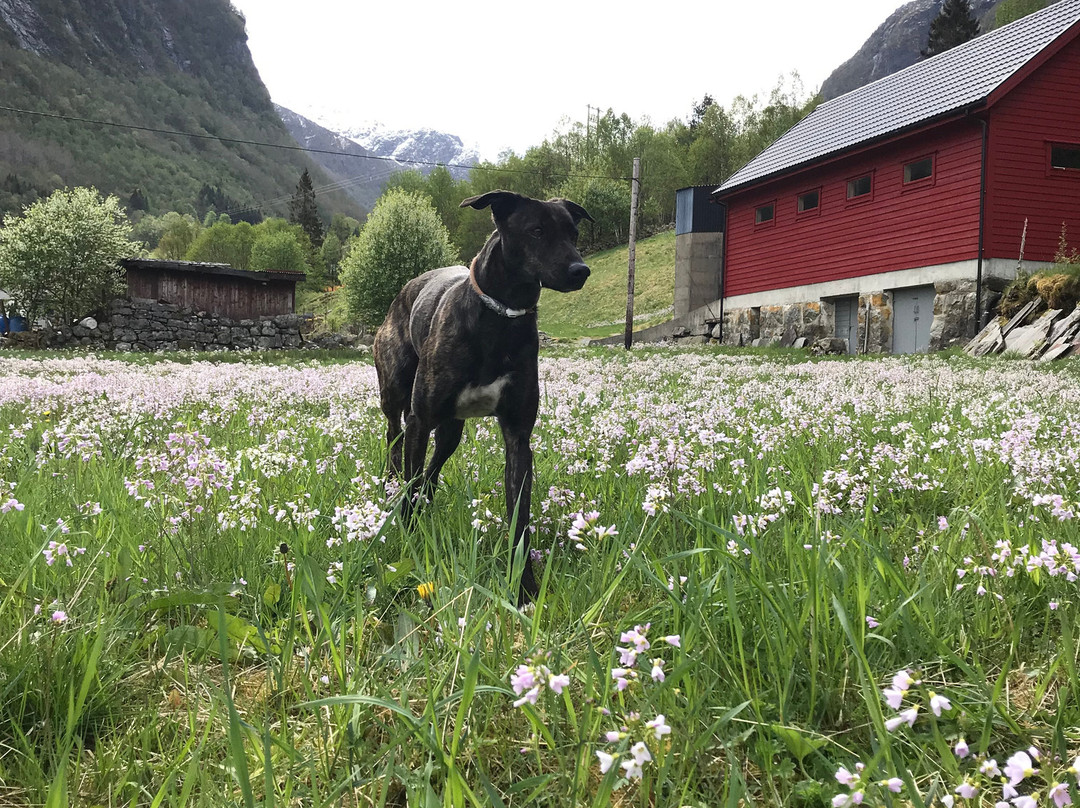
(174, 65)
(599, 310)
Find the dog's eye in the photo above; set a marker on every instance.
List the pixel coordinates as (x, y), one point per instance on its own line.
(537, 232)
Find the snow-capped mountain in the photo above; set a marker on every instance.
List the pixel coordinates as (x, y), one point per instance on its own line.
(393, 150)
(415, 145)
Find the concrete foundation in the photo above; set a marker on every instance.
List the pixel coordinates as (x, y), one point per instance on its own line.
(697, 270)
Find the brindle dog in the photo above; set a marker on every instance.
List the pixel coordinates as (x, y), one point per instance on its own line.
(462, 343)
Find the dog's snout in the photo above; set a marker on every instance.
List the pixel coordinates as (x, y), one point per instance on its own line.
(578, 272)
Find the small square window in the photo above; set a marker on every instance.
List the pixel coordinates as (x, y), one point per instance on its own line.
(919, 170)
(1067, 157)
(859, 187)
(809, 201)
(764, 214)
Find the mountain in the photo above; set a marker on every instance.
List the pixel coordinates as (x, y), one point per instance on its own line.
(355, 170)
(416, 145)
(372, 152)
(896, 44)
(151, 70)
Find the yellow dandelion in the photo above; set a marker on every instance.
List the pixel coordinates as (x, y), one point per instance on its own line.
(426, 589)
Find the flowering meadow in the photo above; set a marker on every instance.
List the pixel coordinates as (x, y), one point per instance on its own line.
(765, 580)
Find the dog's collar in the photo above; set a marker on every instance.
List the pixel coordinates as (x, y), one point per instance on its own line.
(499, 308)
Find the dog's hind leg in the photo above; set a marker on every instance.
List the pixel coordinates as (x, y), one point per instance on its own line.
(417, 435)
(396, 375)
(447, 438)
(395, 437)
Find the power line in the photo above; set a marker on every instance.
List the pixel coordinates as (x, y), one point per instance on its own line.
(298, 148)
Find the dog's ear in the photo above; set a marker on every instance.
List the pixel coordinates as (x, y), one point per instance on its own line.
(576, 211)
(502, 203)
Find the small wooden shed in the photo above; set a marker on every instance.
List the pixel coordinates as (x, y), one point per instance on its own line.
(216, 288)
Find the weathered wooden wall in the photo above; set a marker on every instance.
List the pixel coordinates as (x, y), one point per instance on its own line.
(231, 295)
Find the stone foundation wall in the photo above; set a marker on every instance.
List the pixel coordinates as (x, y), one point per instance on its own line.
(148, 325)
(954, 319)
(766, 325)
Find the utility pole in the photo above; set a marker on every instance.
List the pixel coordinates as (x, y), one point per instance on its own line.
(635, 186)
(588, 130)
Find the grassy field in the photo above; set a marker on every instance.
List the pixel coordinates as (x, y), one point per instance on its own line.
(765, 581)
(598, 310)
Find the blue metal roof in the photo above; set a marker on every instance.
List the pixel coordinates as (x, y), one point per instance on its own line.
(960, 77)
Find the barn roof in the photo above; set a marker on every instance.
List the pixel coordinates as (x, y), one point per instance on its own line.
(206, 268)
(958, 79)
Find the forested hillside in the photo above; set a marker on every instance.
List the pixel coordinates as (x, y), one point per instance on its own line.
(179, 65)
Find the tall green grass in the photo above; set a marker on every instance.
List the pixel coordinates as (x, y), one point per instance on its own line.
(219, 664)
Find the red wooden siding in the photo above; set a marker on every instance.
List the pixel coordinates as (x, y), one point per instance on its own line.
(894, 227)
(1044, 108)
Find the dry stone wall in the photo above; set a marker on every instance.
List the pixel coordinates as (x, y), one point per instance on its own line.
(150, 325)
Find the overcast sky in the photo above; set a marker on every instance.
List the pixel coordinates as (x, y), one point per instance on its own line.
(504, 73)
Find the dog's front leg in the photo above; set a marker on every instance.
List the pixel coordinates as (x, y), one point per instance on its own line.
(518, 484)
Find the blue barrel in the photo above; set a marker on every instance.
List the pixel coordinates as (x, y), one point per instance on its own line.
(3, 324)
(16, 323)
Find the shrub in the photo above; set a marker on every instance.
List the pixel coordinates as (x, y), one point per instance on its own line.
(62, 255)
(280, 251)
(403, 238)
(224, 243)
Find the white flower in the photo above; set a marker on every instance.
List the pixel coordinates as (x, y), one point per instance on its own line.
(939, 703)
(659, 726)
(606, 761)
(1018, 767)
(641, 752)
(558, 682)
(961, 749)
(845, 777)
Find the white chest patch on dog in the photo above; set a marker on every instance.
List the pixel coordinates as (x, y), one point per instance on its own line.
(476, 401)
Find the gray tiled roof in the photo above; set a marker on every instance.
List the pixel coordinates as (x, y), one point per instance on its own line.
(962, 76)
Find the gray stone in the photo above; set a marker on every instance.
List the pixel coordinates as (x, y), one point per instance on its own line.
(1056, 352)
(88, 323)
(124, 346)
(1065, 327)
(790, 335)
(1021, 316)
(830, 345)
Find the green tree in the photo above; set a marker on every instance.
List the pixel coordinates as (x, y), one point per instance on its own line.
(332, 252)
(403, 238)
(177, 235)
(608, 202)
(224, 243)
(278, 251)
(304, 212)
(1012, 10)
(61, 257)
(344, 227)
(954, 25)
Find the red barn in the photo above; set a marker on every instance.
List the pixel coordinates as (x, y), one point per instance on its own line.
(893, 215)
